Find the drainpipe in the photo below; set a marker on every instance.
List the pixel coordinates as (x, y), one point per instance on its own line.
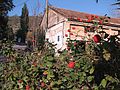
(63, 34)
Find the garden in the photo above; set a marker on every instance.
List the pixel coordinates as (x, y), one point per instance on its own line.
(83, 65)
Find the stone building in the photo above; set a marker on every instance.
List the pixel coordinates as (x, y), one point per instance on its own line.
(57, 21)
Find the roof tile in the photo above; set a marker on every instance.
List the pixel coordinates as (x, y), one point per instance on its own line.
(74, 14)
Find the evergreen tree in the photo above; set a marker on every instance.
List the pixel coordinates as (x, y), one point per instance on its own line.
(24, 20)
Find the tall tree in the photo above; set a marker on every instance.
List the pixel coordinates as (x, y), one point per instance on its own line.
(5, 6)
(24, 20)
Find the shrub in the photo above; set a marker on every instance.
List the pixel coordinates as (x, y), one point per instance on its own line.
(85, 65)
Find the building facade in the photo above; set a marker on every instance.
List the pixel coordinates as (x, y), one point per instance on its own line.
(57, 22)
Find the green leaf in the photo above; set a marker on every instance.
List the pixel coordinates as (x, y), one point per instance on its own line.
(64, 79)
(111, 79)
(103, 83)
(25, 78)
(92, 70)
(90, 78)
(95, 88)
(82, 79)
(70, 86)
(84, 74)
(55, 88)
(74, 88)
(45, 80)
(50, 58)
(52, 84)
(77, 65)
(59, 82)
(49, 64)
(49, 76)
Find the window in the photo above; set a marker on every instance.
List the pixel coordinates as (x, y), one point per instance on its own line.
(58, 38)
(89, 29)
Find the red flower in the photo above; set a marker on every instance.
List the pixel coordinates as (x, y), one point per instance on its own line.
(71, 33)
(79, 19)
(71, 64)
(89, 17)
(73, 28)
(75, 44)
(42, 84)
(66, 43)
(96, 38)
(33, 40)
(66, 35)
(68, 48)
(96, 17)
(19, 81)
(68, 30)
(85, 31)
(89, 20)
(100, 22)
(27, 87)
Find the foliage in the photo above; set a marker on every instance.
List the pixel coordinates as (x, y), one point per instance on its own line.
(90, 66)
(5, 6)
(40, 38)
(3, 27)
(5, 31)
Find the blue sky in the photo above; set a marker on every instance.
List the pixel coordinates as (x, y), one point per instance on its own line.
(88, 6)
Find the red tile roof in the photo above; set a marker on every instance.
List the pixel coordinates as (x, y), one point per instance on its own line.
(74, 14)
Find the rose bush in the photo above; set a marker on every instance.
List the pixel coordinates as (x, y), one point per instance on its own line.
(84, 65)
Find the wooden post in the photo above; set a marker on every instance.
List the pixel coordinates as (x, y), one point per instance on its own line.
(46, 4)
(46, 15)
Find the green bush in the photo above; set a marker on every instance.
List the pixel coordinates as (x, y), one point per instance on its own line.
(88, 65)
